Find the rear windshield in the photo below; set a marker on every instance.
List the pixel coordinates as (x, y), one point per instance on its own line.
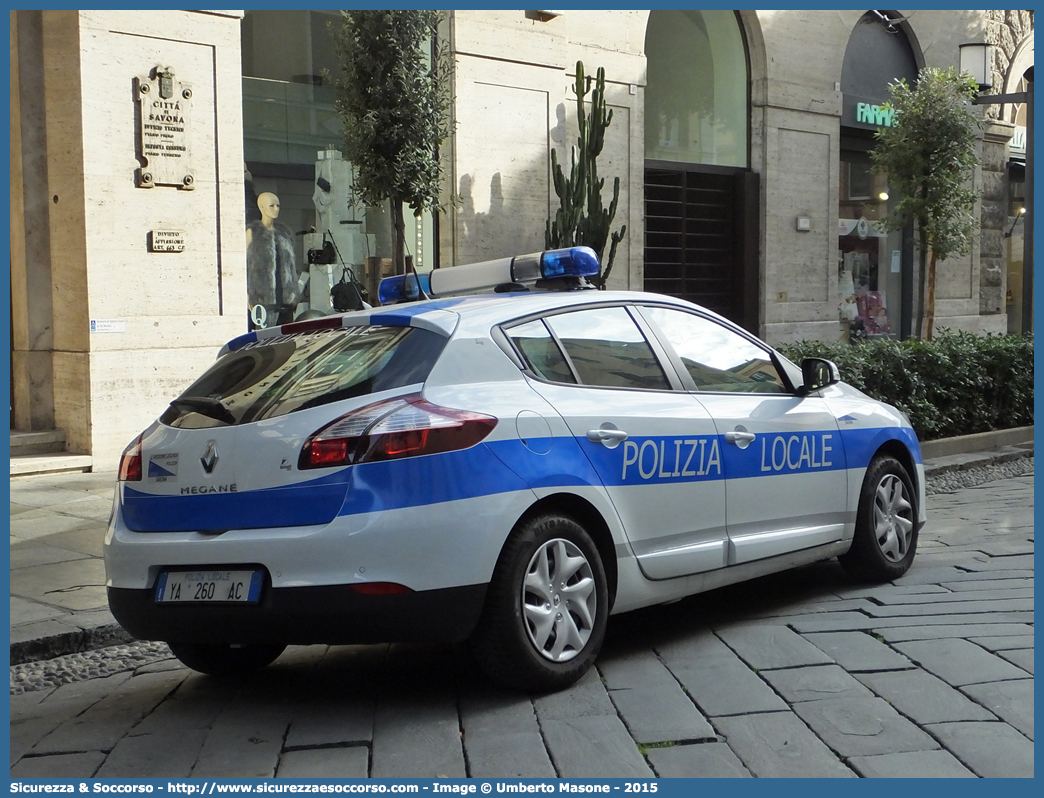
(277, 376)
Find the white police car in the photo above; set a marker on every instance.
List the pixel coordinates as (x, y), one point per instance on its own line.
(509, 468)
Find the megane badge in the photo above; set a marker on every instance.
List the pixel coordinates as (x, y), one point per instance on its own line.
(210, 457)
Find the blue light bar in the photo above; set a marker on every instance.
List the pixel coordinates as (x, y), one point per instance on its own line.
(572, 262)
(468, 279)
(402, 288)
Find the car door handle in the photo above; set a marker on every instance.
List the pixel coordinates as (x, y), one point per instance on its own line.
(610, 437)
(741, 439)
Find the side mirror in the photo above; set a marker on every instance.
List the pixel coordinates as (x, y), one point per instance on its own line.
(817, 373)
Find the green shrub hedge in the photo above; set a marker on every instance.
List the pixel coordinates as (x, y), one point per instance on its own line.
(957, 384)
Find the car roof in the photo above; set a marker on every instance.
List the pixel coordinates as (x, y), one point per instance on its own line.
(492, 309)
(469, 314)
(477, 314)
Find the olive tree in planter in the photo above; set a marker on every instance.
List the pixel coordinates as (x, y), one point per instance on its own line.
(929, 154)
(581, 219)
(393, 93)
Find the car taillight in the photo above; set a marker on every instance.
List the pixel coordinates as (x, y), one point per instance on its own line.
(130, 462)
(404, 427)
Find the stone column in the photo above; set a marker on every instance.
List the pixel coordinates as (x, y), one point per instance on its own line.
(994, 215)
(32, 333)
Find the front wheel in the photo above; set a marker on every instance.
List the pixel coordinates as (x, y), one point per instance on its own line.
(546, 609)
(886, 524)
(217, 659)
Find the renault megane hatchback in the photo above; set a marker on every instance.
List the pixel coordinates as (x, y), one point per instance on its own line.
(509, 467)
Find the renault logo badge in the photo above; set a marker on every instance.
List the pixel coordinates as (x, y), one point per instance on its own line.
(210, 457)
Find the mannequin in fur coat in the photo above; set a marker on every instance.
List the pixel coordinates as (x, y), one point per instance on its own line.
(272, 278)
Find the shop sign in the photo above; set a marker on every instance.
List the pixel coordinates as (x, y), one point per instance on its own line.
(863, 228)
(877, 115)
(166, 241)
(166, 117)
(869, 113)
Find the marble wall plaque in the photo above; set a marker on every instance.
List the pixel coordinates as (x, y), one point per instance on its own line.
(165, 143)
(166, 241)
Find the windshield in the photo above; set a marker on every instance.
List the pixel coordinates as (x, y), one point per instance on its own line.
(277, 376)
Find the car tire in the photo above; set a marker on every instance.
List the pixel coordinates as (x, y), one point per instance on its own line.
(225, 660)
(546, 609)
(885, 540)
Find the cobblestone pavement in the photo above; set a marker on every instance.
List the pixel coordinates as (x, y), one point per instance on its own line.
(799, 674)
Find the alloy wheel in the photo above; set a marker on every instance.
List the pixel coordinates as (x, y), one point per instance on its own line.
(559, 600)
(893, 518)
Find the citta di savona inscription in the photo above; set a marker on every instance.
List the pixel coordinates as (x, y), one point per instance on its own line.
(166, 115)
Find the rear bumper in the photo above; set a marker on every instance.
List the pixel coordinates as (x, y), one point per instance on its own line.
(332, 615)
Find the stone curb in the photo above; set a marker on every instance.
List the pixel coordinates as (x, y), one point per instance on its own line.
(965, 462)
(33, 464)
(71, 642)
(979, 442)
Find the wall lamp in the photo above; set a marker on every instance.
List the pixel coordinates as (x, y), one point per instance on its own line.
(1022, 212)
(976, 60)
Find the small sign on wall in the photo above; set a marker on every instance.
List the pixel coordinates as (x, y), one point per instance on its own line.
(108, 325)
(166, 241)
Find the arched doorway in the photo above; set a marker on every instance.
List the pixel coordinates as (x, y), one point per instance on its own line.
(701, 200)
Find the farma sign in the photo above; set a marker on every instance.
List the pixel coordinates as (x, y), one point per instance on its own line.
(877, 115)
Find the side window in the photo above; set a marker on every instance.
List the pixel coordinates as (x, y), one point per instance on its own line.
(716, 358)
(607, 349)
(541, 352)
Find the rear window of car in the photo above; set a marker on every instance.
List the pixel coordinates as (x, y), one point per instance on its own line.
(601, 347)
(541, 352)
(277, 376)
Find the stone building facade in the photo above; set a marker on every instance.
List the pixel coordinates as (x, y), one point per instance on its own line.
(1002, 249)
(104, 331)
(741, 142)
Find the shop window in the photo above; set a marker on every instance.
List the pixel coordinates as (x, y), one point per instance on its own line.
(288, 99)
(870, 258)
(293, 151)
(1014, 235)
(696, 97)
(1014, 247)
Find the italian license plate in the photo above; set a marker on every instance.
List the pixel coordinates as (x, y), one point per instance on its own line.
(209, 587)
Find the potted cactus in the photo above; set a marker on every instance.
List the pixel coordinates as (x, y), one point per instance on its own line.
(581, 219)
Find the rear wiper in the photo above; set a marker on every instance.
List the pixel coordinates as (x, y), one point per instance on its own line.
(204, 405)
